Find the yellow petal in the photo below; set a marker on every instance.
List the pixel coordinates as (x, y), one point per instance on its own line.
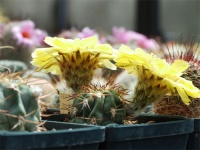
(184, 87)
(106, 63)
(54, 69)
(89, 42)
(104, 48)
(179, 66)
(50, 66)
(60, 44)
(183, 95)
(49, 40)
(125, 49)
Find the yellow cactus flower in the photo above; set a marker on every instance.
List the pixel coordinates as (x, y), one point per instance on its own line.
(74, 60)
(155, 76)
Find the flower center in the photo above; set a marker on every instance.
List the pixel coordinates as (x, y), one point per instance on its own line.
(25, 34)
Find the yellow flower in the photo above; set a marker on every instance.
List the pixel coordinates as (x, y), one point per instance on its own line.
(157, 70)
(75, 60)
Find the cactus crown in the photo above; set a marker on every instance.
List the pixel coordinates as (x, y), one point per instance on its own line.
(100, 104)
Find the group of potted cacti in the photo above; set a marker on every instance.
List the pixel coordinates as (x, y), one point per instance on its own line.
(107, 97)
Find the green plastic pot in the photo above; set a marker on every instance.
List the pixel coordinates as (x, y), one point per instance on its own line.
(66, 136)
(168, 132)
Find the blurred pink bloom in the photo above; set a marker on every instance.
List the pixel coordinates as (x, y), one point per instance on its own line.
(147, 44)
(123, 36)
(26, 35)
(86, 32)
(39, 36)
(69, 34)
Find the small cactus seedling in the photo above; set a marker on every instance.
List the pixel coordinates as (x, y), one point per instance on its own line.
(100, 105)
(19, 110)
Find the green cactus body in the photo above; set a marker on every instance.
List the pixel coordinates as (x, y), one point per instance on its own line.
(12, 65)
(193, 74)
(20, 110)
(99, 109)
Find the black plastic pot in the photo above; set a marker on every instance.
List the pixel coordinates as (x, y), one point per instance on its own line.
(167, 132)
(194, 137)
(56, 117)
(66, 136)
(53, 114)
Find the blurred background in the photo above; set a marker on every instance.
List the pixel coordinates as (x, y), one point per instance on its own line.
(166, 18)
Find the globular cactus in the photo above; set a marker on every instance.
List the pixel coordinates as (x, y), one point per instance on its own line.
(155, 78)
(19, 109)
(43, 83)
(23, 37)
(12, 66)
(193, 74)
(9, 40)
(100, 106)
(172, 104)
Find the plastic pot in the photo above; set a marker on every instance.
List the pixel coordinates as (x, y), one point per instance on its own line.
(168, 132)
(194, 137)
(65, 136)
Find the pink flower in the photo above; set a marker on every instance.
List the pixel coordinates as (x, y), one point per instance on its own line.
(69, 34)
(39, 36)
(147, 44)
(123, 36)
(86, 32)
(25, 34)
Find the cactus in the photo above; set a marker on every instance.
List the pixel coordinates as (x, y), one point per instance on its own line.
(156, 78)
(172, 104)
(8, 40)
(34, 74)
(99, 106)
(193, 74)
(12, 65)
(24, 37)
(19, 110)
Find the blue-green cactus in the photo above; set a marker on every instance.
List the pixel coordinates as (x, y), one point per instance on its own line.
(12, 66)
(19, 109)
(99, 107)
